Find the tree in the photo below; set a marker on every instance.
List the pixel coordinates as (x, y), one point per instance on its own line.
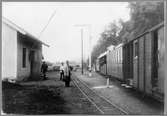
(108, 37)
(144, 15)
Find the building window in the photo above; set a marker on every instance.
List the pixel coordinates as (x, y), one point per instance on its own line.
(24, 58)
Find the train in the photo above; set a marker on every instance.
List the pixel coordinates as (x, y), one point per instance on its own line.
(138, 62)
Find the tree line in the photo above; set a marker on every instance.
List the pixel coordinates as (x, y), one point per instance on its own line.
(143, 15)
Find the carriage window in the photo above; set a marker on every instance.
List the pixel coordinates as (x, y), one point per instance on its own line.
(112, 58)
(115, 56)
(24, 58)
(136, 49)
(121, 55)
(118, 56)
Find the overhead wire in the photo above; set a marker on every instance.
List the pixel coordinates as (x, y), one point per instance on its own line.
(52, 15)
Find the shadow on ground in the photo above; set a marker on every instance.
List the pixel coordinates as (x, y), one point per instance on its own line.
(32, 99)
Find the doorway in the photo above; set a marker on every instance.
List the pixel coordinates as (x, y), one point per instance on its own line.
(32, 57)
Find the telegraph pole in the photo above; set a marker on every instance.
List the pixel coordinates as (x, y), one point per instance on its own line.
(82, 51)
(90, 51)
(87, 25)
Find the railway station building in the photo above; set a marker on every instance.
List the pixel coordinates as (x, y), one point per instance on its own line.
(21, 53)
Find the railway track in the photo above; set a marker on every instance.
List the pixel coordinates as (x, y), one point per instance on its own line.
(103, 105)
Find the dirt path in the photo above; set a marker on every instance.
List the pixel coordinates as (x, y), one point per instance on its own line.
(45, 97)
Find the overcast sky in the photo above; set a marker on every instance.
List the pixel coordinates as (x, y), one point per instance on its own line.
(61, 34)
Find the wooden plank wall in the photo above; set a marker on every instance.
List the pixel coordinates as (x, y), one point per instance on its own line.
(141, 64)
(148, 60)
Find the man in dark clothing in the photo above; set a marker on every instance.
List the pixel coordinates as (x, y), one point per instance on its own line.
(44, 69)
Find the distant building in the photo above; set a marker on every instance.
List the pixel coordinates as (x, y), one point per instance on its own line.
(21, 53)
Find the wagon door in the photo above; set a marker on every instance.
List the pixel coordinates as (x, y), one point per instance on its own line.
(158, 64)
(161, 61)
(155, 59)
(135, 63)
(128, 62)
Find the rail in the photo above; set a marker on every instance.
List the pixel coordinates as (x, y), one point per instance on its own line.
(103, 105)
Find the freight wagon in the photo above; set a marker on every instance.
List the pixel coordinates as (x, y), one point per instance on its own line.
(143, 61)
(139, 62)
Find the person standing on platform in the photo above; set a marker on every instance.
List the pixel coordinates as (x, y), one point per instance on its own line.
(44, 69)
(67, 74)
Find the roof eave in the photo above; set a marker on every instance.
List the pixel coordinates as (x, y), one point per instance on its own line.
(34, 38)
(21, 30)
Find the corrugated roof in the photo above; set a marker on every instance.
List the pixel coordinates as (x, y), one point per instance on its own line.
(21, 30)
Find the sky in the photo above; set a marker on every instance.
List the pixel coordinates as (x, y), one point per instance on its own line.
(63, 32)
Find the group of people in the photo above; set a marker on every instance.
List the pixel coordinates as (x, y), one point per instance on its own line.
(65, 72)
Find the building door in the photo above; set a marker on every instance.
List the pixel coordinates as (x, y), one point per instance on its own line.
(32, 57)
